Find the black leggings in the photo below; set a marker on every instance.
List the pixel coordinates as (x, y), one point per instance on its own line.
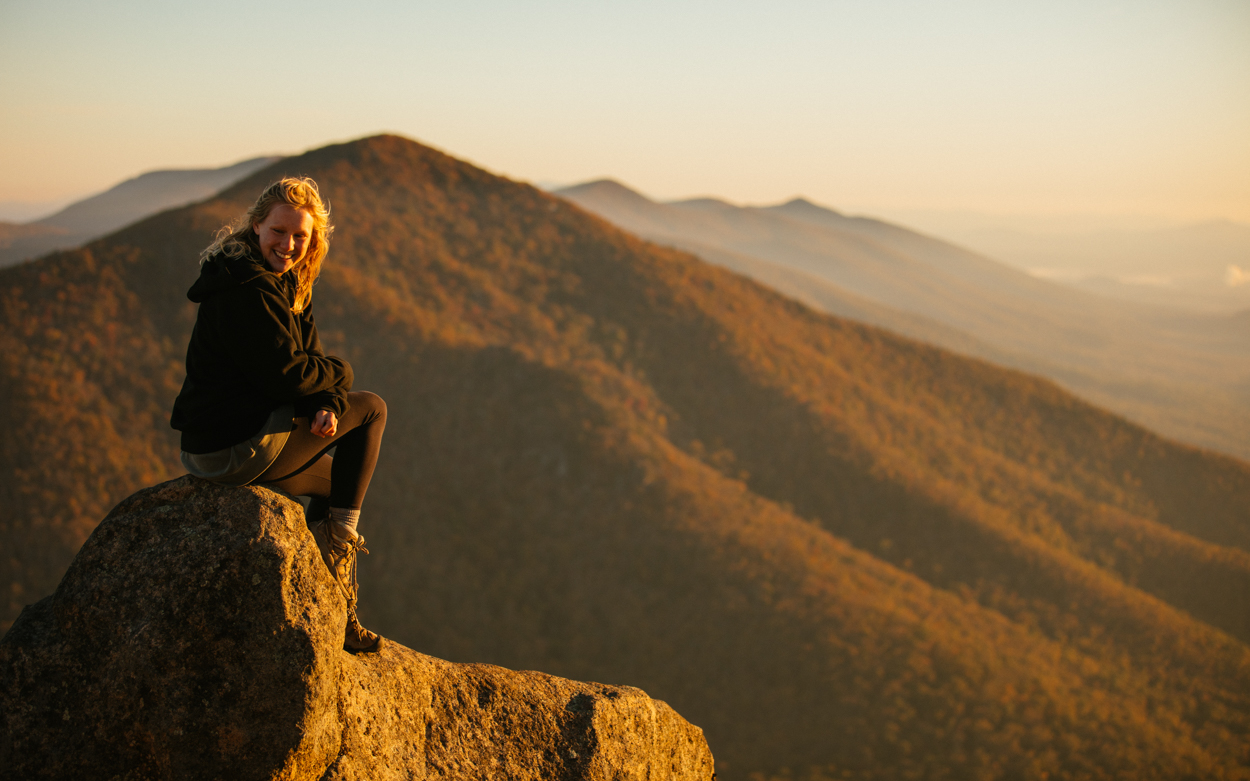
(304, 469)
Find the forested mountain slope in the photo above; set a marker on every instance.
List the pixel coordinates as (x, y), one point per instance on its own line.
(1186, 375)
(837, 550)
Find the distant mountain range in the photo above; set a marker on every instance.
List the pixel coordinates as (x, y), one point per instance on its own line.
(842, 552)
(1186, 375)
(117, 207)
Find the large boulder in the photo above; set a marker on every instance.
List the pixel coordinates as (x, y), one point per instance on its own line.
(198, 635)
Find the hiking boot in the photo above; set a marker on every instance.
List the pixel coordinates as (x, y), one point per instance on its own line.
(339, 556)
(357, 639)
(325, 542)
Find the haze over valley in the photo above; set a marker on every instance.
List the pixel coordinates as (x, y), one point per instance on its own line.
(1201, 266)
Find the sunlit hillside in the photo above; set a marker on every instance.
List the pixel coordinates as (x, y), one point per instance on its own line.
(843, 553)
(1183, 374)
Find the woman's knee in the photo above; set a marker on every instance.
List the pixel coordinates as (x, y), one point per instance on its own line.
(371, 404)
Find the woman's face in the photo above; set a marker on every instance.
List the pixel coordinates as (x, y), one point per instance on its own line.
(284, 237)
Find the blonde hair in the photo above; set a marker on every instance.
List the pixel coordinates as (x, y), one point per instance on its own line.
(239, 238)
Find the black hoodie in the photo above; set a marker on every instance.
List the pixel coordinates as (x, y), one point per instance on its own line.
(249, 354)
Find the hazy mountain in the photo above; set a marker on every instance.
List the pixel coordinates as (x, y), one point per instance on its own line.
(837, 550)
(23, 211)
(121, 205)
(1187, 376)
(11, 232)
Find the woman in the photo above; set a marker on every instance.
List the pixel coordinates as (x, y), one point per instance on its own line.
(262, 403)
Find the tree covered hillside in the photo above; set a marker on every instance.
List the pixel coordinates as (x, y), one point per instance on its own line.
(842, 553)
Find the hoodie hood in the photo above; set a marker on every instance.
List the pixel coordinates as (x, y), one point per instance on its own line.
(222, 272)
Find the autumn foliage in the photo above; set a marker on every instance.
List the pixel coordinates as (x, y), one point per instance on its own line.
(842, 553)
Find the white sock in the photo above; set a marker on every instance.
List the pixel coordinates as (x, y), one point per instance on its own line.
(345, 520)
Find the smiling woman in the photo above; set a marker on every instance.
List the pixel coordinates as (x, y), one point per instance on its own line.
(262, 402)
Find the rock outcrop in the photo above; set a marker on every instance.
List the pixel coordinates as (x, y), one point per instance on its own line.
(197, 635)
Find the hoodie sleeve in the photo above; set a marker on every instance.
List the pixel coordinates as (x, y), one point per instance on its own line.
(270, 349)
(334, 399)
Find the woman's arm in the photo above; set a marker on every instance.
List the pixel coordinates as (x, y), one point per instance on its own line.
(333, 400)
(270, 349)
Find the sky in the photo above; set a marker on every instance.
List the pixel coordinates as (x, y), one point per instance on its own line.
(1052, 109)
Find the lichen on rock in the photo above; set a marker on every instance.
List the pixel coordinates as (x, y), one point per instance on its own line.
(197, 635)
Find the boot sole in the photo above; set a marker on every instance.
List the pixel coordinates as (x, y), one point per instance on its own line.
(377, 646)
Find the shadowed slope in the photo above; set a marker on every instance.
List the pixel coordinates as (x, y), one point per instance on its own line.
(824, 544)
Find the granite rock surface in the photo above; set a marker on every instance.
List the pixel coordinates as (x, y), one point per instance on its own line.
(197, 635)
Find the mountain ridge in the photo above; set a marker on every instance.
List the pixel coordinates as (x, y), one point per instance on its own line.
(1182, 375)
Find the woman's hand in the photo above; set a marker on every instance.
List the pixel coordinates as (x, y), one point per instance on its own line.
(325, 424)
